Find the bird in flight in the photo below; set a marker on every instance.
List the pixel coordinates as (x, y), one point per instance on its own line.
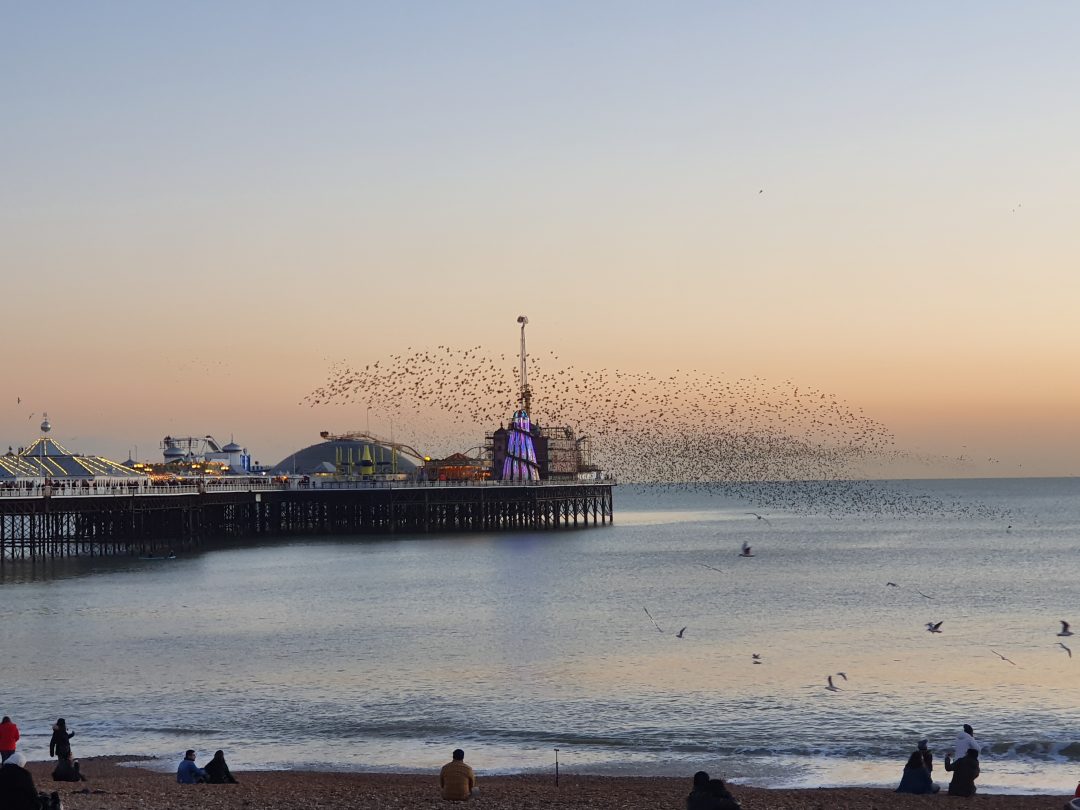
(842, 675)
(755, 658)
(759, 517)
(747, 553)
(934, 627)
(892, 585)
(679, 634)
(1065, 631)
(1002, 657)
(830, 687)
(711, 568)
(658, 627)
(1066, 649)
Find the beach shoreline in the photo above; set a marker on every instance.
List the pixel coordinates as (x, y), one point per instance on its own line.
(143, 783)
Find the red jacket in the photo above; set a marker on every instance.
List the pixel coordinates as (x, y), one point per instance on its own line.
(9, 735)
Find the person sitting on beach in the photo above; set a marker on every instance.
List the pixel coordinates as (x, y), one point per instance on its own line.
(59, 744)
(710, 794)
(9, 737)
(217, 772)
(188, 773)
(965, 772)
(17, 790)
(965, 742)
(67, 770)
(927, 755)
(456, 779)
(916, 778)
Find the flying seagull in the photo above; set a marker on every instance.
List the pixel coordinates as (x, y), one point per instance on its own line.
(934, 627)
(1066, 649)
(658, 627)
(842, 675)
(1065, 631)
(679, 634)
(1002, 657)
(759, 517)
(830, 687)
(892, 585)
(711, 568)
(747, 553)
(755, 658)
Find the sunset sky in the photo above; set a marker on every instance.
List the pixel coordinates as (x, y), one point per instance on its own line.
(204, 205)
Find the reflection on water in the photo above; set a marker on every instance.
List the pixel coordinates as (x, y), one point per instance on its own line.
(387, 653)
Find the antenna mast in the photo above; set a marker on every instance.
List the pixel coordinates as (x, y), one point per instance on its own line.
(526, 394)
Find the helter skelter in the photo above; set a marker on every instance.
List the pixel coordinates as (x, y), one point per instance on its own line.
(520, 463)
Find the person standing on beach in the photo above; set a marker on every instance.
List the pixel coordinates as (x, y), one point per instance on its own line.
(188, 773)
(965, 772)
(60, 745)
(456, 779)
(965, 742)
(9, 737)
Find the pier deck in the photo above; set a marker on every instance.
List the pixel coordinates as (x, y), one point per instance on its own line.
(60, 522)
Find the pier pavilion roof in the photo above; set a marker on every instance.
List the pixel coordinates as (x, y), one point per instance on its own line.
(46, 458)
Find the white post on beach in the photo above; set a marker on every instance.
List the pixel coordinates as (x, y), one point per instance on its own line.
(556, 767)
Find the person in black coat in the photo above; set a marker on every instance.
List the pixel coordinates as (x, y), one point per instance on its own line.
(965, 772)
(217, 771)
(710, 794)
(67, 770)
(17, 791)
(60, 745)
(916, 778)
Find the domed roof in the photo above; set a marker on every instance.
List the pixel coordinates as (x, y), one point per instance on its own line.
(46, 458)
(232, 447)
(311, 459)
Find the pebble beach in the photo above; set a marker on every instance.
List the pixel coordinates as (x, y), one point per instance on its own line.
(114, 786)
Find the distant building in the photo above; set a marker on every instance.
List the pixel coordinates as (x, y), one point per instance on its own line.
(347, 457)
(187, 451)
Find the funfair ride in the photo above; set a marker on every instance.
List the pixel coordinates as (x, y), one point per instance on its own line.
(520, 463)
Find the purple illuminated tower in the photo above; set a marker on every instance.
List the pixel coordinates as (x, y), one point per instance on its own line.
(520, 463)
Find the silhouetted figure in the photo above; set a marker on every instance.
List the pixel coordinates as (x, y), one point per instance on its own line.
(67, 770)
(710, 794)
(17, 790)
(965, 772)
(217, 771)
(60, 744)
(916, 778)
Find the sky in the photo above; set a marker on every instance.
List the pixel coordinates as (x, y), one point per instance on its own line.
(205, 205)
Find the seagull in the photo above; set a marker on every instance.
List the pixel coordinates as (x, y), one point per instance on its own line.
(1002, 657)
(679, 634)
(830, 687)
(746, 552)
(892, 585)
(842, 675)
(934, 627)
(652, 619)
(711, 568)
(1065, 631)
(759, 517)
(1066, 649)
(920, 593)
(757, 658)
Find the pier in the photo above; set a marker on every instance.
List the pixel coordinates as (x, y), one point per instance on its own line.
(43, 521)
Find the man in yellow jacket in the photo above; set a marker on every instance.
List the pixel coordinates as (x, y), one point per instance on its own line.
(456, 779)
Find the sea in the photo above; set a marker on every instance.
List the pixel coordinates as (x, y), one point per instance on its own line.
(385, 653)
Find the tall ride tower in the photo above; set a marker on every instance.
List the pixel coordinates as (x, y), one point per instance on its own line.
(520, 462)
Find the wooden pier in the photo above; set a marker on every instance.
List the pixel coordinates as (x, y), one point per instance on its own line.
(141, 520)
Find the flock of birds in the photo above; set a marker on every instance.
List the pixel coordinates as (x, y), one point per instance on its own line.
(777, 445)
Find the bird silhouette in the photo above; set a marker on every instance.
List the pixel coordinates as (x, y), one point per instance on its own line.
(1065, 631)
(934, 627)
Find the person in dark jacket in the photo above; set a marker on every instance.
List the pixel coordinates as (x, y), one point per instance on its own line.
(217, 771)
(67, 770)
(927, 754)
(60, 745)
(916, 778)
(710, 794)
(17, 791)
(965, 772)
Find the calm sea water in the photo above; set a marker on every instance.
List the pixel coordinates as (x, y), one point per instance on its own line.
(385, 654)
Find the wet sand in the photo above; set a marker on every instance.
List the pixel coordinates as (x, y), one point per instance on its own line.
(114, 787)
